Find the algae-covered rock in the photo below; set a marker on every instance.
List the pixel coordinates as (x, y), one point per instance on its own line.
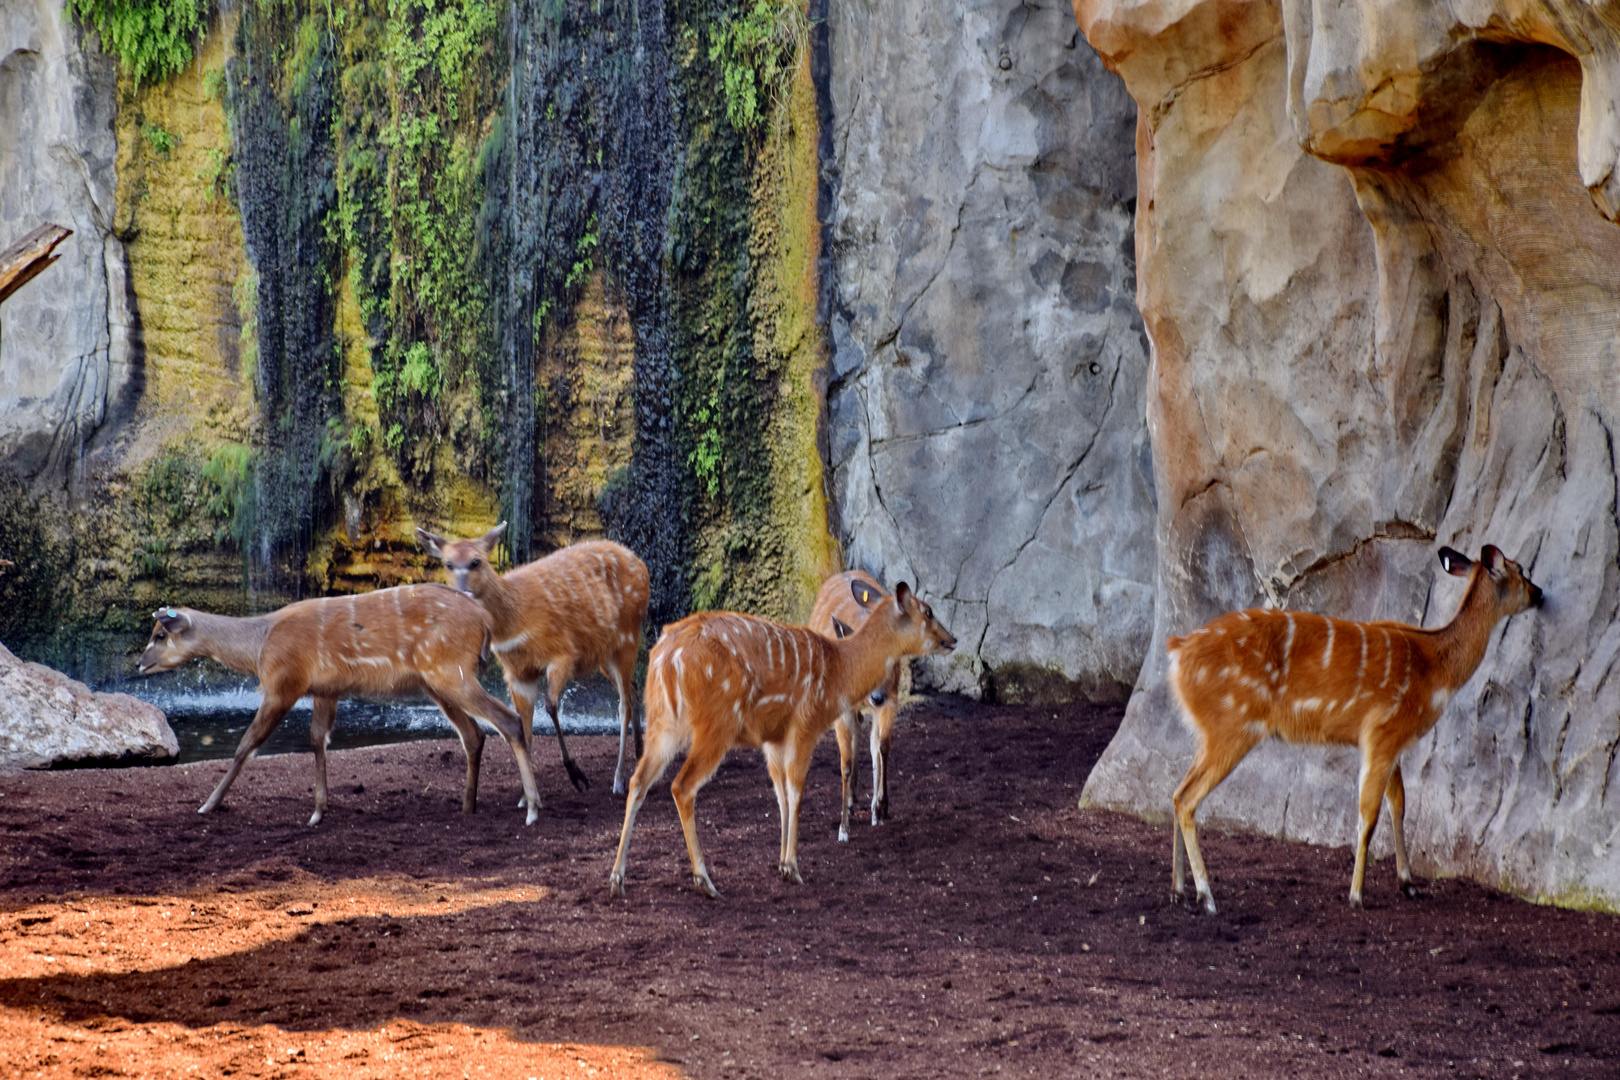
(46, 718)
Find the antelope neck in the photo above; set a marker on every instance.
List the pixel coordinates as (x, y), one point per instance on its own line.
(862, 663)
(1463, 640)
(234, 642)
(499, 601)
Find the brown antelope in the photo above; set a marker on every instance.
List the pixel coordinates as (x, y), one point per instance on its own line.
(1378, 686)
(574, 611)
(840, 606)
(424, 638)
(718, 680)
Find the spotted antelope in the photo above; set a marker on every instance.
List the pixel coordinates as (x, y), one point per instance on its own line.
(840, 607)
(1378, 686)
(718, 680)
(415, 638)
(576, 610)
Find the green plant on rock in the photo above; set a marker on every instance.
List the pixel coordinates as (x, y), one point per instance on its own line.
(152, 39)
(758, 50)
(228, 482)
(160, 140)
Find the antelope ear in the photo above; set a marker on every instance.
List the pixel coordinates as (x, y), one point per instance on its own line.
(841, 629)
(1455, 562)
(491, 538)
(902, 596)
(175, 622)
(864, 594)
(1495, 562)
(431, 543)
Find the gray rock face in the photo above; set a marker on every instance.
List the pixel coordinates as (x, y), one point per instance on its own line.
(66, 356)
(46, 717)
(986, 410)
(1383, 290)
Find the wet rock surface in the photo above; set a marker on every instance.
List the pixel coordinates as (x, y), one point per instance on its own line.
(985, 418)
(1368, 344)
(47, 718)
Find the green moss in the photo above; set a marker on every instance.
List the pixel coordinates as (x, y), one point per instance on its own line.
(744, 311)
(228, 495)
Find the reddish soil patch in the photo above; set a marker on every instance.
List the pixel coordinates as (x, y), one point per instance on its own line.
(989, 927)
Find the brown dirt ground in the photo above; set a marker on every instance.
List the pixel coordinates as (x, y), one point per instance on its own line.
(990, 927)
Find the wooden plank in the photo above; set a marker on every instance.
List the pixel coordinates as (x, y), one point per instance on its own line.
(23, 260)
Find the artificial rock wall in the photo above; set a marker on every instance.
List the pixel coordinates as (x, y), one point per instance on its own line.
(1381, 276)
(985, 410)
(68, 359)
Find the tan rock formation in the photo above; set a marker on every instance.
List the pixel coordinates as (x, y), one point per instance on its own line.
(1383, 296)
(47, 717)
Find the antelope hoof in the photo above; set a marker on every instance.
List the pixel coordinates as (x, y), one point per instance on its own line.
(790, 873)
(532, 816)
(843, 834)
(705, 886)
(207, 807)
(1208, 899)
(1410, 891)
(616, 883)
(618, 785)
(576, 775)
(315, 818)
(1355, 900)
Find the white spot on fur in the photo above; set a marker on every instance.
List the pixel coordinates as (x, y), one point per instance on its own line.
(1438, 699)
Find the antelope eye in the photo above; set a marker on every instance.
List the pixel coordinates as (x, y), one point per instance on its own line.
(157, 637)
(475, 564)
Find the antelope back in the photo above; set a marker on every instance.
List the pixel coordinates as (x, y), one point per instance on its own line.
(748, 675)
(586, 601)
(386, 642)
(1307, 678)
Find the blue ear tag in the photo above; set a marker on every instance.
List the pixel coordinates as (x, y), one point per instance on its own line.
(173, 614)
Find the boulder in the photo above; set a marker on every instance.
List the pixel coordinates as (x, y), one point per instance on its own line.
(46, 717)
(1381, 280)
(985, 425)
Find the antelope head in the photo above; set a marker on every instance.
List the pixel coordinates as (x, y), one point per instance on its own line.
(1511, 590)
(466, 560)
(173, 642)
(906, 617)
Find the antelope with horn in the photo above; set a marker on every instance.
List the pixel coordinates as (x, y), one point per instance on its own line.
(576, 610)
(719, 679)
(1377, 686)
(414, 638)
(842, 605)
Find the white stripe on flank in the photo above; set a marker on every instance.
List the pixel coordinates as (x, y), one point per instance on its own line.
(1389, 655)
(1327, 650)
(510, 643)
(1288, 644)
